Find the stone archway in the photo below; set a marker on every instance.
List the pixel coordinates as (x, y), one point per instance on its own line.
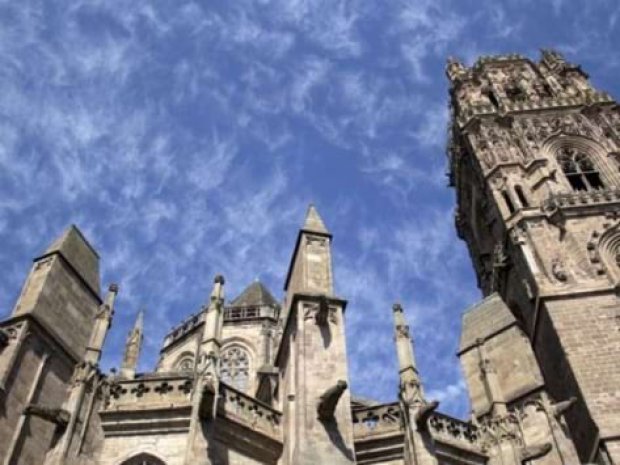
(143, 459)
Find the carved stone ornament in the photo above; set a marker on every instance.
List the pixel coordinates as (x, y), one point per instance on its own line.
(411, 391)
(558, 270)
(321, 312)
(424, 412)
(504, 428)
(560, 408)
(83, 373)
(535, 451)
(402, 331)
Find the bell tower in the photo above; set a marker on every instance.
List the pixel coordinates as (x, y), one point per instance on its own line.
(534, 155)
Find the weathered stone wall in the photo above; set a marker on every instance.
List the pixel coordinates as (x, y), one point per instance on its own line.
(582, 360)
(168, 447)
(60, 300)
(40, 374)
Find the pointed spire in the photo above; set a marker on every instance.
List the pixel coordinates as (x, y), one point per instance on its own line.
(410, 385)
(132, 347)
(75, 249)
(310, 269)
(211, 341)
(102, 323)
(313, 222)
(255, 295)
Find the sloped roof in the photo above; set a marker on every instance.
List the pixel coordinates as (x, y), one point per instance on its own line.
(74, 247)
(314, 222)
(256, 294)
(487, 317)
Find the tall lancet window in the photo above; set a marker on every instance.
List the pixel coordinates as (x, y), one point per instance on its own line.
(235, 368)
(579, 170)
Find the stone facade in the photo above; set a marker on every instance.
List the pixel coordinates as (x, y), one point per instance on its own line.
(534, 160)
(534, 153)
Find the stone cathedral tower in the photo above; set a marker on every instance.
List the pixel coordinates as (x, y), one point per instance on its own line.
(535, 160)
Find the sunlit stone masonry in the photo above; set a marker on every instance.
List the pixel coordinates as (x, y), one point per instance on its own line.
(534, 157)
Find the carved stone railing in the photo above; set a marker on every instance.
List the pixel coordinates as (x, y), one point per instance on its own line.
(455, 432)
(231, 314)
(590, 97)
(185, 327)
(378, 420)
(148, 392)
(582, 198)
(249, 412)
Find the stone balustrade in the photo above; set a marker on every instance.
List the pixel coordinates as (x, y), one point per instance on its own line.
(472, 110)
(377, 420)
(184, 328)
(582, 198)
(455, 432)
(249, 412)
(154, 391)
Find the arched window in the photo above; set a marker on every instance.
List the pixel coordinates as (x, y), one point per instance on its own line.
(522, 197)
(186, 363)
(143, 459)
(235, 368)
(508, 200)
(579, 170)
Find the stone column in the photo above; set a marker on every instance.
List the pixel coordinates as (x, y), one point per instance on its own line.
(85, 374)
(318, 408)
(415, 408)
(206, 378)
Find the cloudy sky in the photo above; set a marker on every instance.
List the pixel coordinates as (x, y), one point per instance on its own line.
(187, 139)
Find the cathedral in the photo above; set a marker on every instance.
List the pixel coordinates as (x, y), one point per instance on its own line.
(534, 157)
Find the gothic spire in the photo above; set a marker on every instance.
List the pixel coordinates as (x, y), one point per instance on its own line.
(310, 269)
(410, 385)
(314, 223)
(212, 331)
(103, 320)
(132, 347)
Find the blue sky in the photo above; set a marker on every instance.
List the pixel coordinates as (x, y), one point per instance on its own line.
(186, 139)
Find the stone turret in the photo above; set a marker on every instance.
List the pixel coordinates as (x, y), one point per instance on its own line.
(410, 386)
(47, 335)
(419, 448)
(206, 375)
(312, 355)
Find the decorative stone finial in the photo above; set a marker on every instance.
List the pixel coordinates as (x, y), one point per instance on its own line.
(397, 307)
(219, 279)
(112, 292)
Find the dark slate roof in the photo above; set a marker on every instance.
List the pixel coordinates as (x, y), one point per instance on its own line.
(256, 294)
(487, 317)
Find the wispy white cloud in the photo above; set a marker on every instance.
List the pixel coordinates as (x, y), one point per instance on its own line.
(185, 140)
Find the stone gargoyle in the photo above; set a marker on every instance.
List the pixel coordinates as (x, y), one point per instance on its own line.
(58, 416)
(329, 399)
